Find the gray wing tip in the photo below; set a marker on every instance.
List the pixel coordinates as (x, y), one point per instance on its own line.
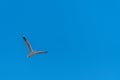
(24, 38)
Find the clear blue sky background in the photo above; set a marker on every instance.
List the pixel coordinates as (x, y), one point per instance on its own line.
(81, 36)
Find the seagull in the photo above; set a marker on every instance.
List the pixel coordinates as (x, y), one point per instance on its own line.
(30, 49)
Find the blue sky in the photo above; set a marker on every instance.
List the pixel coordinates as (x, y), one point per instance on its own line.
(82, 38)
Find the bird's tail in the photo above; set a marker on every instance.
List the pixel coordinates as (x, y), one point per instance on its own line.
(30, 55)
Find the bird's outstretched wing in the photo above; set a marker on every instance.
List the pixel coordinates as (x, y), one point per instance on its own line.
(28, 44)
(41, 52)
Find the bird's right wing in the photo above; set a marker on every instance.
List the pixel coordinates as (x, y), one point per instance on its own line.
(41, 52)
(28, 44)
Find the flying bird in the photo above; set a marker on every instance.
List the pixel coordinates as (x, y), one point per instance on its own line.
(30, 49)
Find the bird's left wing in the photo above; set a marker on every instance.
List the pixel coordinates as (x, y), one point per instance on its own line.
(28, 44)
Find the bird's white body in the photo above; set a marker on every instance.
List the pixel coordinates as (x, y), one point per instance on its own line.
(30, 49)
